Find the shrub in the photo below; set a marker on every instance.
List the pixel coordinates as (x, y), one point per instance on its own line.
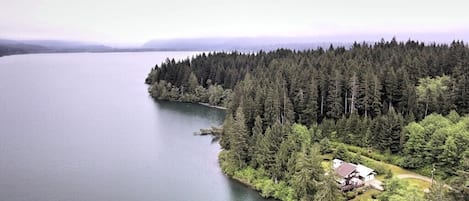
(247, 174)
(350, 195)
(375, 156)
(267, 188)
(357, 159)
(283, 192)
(388, 174)
(342, 153)
(398, 160)
(411, 162)
(362, 151)
(361, 191)
(379, 168)
(426, 170)
(325, 146)
(226, 163)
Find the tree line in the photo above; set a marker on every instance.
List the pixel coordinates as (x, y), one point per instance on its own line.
(321, 84)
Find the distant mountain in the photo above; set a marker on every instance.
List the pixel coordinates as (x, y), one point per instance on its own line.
(10, 47)
(66, 45)
(238, 43)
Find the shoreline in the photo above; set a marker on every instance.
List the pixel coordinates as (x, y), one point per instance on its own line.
(243, 182)
(200, 103)
(247, 184)
(212, 106)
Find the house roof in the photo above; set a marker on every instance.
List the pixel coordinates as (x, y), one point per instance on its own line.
(345, 169)
(364, 171)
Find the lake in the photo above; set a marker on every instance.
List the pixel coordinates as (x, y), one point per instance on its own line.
(82, 127)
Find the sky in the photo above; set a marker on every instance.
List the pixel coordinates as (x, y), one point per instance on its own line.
(137, 21)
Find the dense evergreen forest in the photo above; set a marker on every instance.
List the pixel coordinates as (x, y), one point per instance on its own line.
(402, 102)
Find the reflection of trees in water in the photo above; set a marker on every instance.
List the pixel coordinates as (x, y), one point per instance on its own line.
(240, 191)
(192, 109)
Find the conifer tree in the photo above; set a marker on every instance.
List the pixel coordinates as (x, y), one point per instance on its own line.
(328, 190)
(238, 141)
(227, 132)
(308, 173)
(257, 135)
(311, 108)
(461, 86)
(335, 99)
(271, 107)
(192, 83)
(376, 104)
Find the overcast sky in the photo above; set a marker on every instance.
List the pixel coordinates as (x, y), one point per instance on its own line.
(137, 21)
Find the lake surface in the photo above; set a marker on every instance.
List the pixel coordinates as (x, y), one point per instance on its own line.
(82, 127)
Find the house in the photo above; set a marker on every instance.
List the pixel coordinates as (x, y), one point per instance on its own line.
(365, 173)
(350, 175)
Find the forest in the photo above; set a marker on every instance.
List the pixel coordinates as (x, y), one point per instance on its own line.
(405, 103)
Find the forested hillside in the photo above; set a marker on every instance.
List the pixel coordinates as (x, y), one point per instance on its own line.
(371, 96)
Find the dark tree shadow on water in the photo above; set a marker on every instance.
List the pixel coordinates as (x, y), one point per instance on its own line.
(192, 109)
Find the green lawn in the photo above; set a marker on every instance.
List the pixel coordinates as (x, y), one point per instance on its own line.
(396, 170)
(419, 183)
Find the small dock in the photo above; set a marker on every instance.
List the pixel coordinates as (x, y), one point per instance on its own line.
(215, 131)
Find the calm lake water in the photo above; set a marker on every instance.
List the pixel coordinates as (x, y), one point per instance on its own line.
(82, 127)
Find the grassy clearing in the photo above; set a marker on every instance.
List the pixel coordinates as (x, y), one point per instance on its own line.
(377, 161)
(396, 170)
(419, 183)
(381, 164)
(376, 158)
